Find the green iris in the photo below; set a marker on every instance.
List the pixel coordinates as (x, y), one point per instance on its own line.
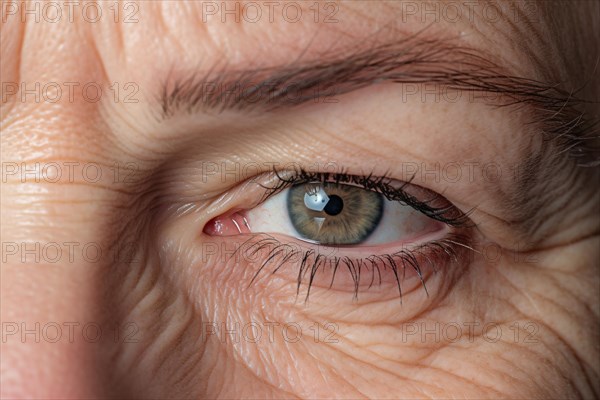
(330, 213)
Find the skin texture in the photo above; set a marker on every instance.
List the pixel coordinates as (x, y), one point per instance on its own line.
(162, 291)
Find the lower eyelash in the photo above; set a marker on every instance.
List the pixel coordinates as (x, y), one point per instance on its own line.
(277, 254)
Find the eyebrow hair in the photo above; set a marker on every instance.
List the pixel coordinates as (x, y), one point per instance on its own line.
(557, 112)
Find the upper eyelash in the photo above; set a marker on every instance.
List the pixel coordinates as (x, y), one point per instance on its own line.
(449, 215)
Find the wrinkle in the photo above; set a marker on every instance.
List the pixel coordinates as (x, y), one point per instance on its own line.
(5, 44)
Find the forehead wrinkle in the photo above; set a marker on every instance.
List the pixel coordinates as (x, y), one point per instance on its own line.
(11, 50)
(182, 38)
(177, 23)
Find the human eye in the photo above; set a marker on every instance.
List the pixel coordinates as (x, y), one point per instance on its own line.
(373, 229)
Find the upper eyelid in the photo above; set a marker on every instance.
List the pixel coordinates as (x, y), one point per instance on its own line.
(300, 175)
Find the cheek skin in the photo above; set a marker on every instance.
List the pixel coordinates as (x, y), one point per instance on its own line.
(220, 294)
(218, 297)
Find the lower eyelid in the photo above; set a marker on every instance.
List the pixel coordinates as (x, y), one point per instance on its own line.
(356, 273)
(366, 249)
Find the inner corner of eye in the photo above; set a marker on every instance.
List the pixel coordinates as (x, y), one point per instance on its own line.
(230, 223)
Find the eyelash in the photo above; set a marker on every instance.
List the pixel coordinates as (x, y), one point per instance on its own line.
(438, 252)
(449, 214)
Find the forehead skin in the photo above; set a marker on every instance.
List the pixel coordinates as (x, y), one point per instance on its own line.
(164, 37)
(167, 37)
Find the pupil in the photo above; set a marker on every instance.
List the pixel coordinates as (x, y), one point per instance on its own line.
(334, 206)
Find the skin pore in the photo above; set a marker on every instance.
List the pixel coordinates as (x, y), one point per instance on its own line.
(158, 300)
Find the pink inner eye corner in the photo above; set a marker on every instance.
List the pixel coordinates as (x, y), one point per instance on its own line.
(230, 224)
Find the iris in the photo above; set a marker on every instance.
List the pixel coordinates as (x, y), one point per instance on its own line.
(332, 213)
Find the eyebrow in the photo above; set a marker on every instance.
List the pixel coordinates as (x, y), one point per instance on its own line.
(557, 112)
